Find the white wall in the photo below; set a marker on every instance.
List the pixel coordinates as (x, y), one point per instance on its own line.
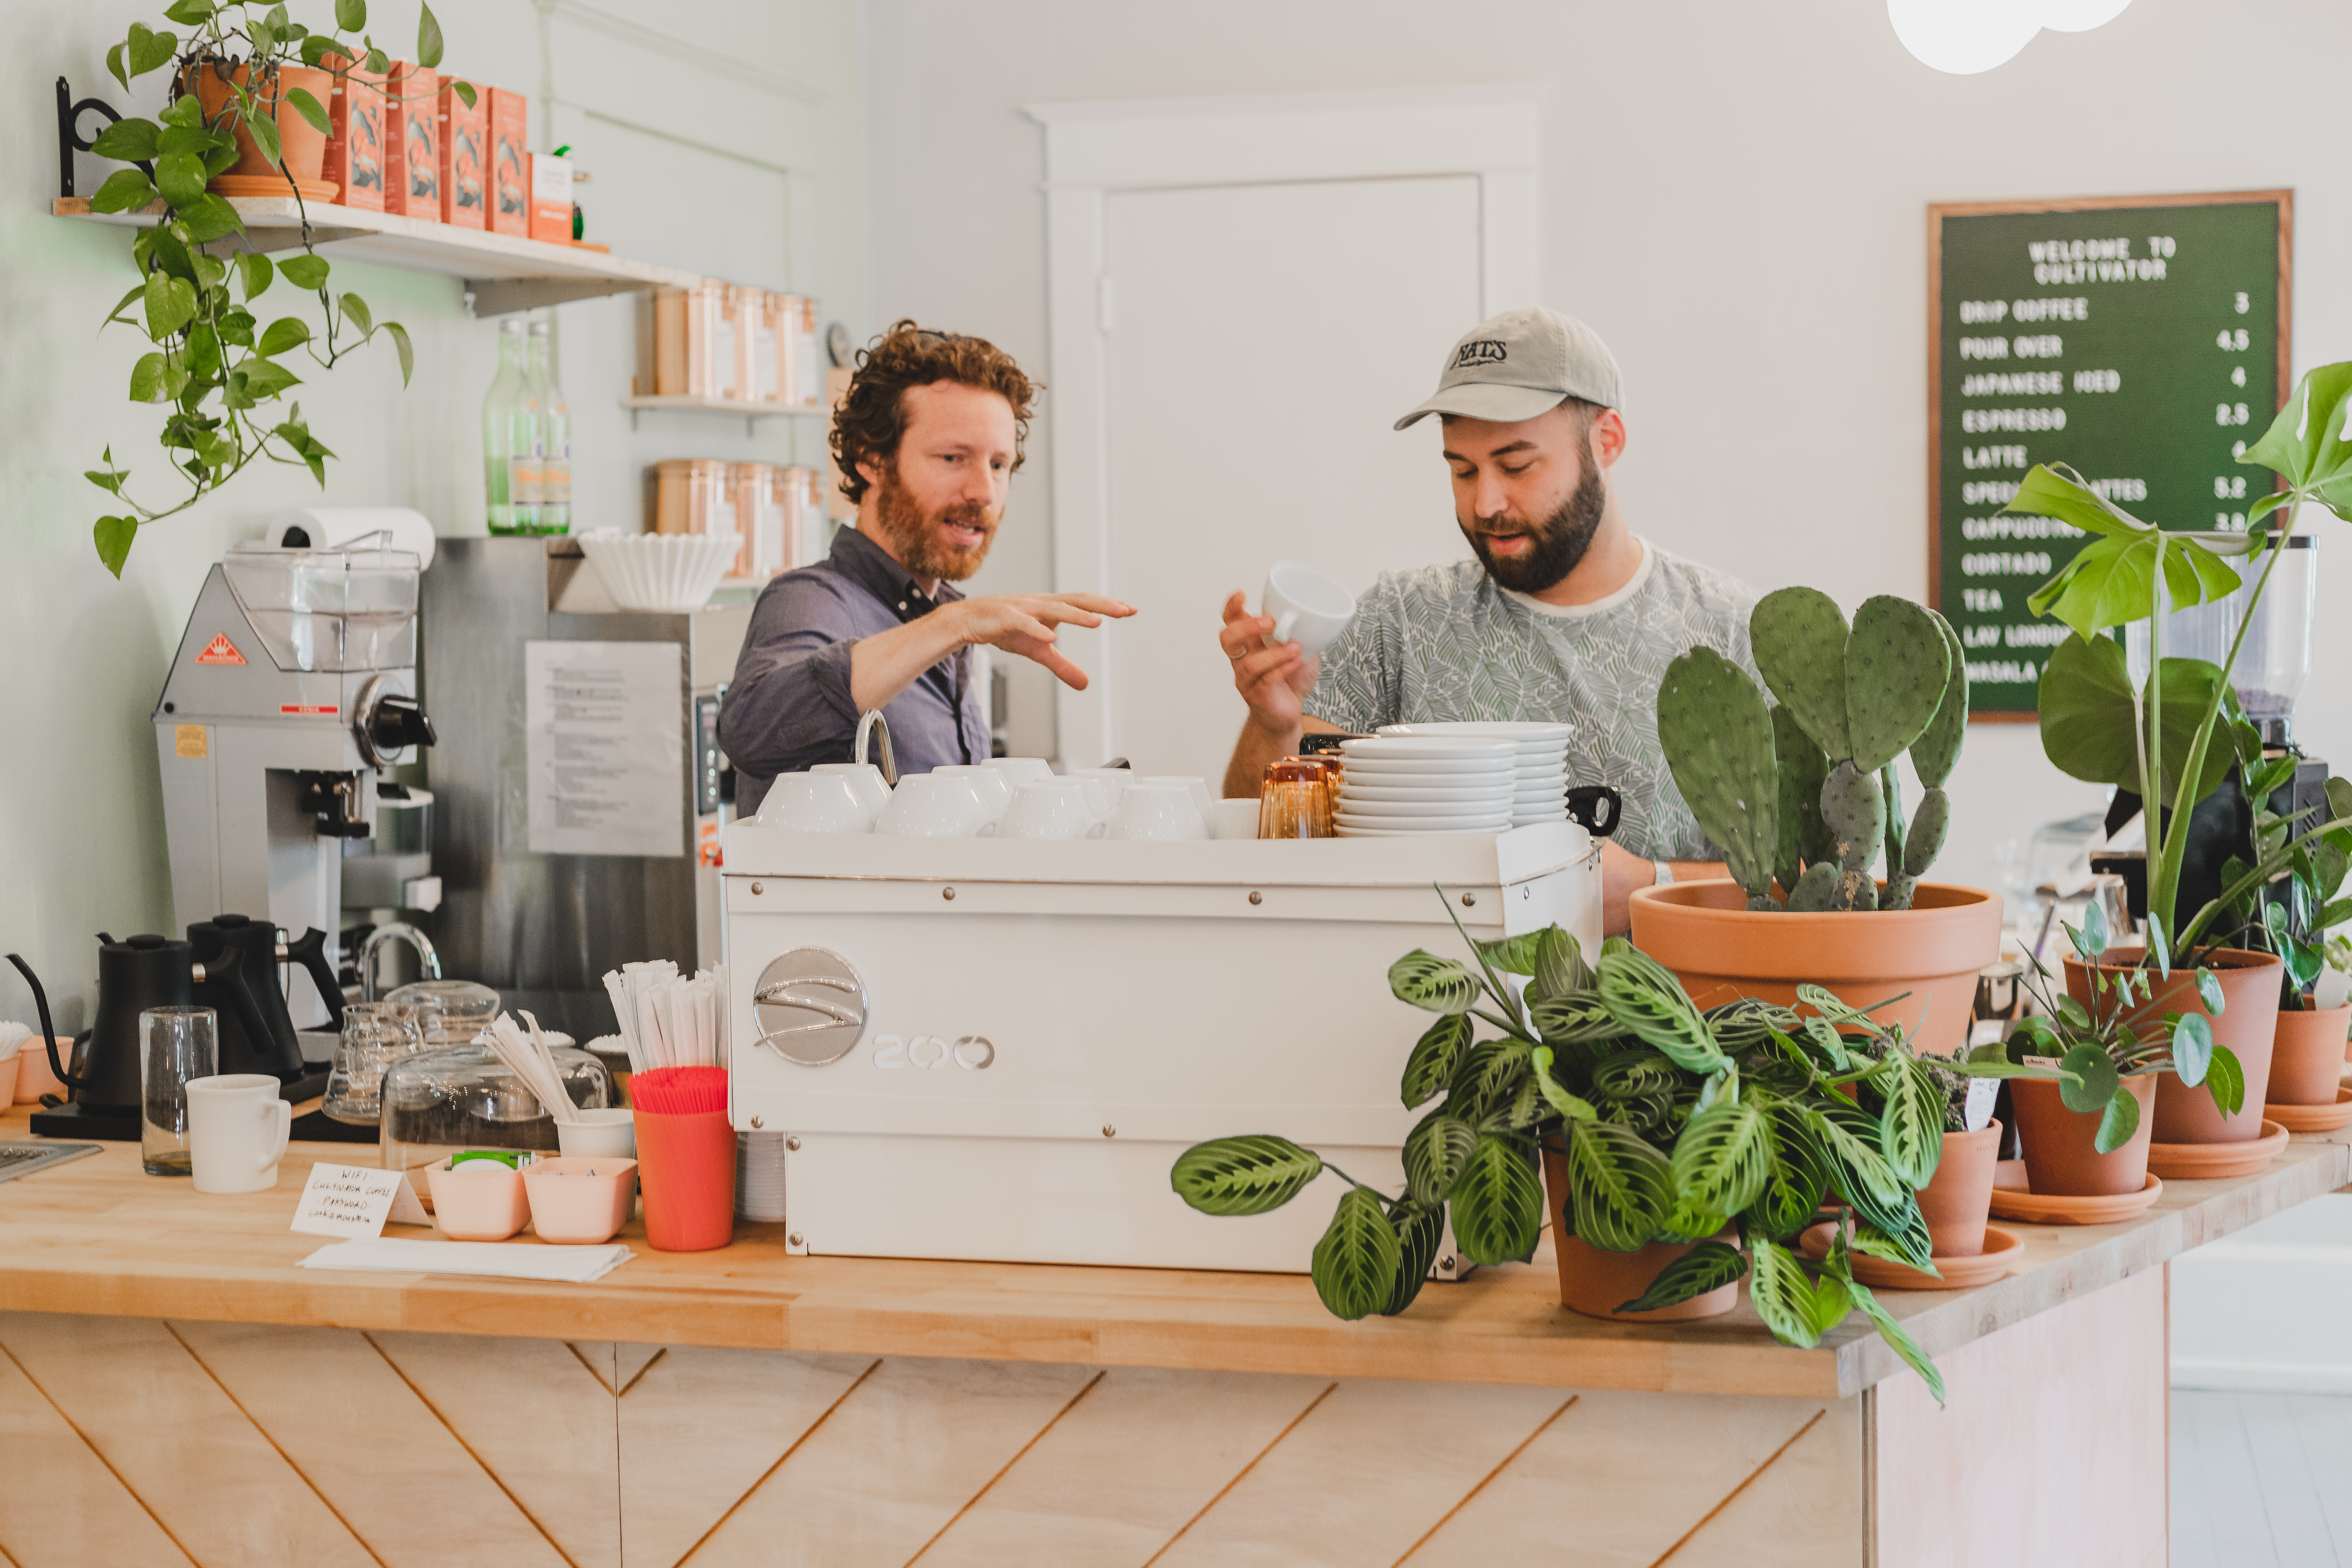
(1734, 195)
(757, 106)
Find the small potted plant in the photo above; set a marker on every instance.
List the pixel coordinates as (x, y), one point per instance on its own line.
(1803, 796)
(1956, 1203)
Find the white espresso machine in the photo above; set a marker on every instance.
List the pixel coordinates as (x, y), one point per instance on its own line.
(292, 697)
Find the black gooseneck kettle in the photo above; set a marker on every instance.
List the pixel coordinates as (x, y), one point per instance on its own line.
(145, 972)
(261, 1038)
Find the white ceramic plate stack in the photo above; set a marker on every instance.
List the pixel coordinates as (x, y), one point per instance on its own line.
(1538, 762)
(1392, 786)
(659, 571)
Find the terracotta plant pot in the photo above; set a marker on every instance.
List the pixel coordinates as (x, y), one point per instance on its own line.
(2060, 1160)
(1596, 1282)
(1718, 948)
(2308, 1056)
(1957, 1200)
(304, 146)
(2249, 1019)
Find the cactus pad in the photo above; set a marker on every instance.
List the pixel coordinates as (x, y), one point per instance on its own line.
(1896, 664)
(1856, 814)
(1937, 750)
(1800, 641)
(1927, 828)
(1718, 736)
(1814, 887)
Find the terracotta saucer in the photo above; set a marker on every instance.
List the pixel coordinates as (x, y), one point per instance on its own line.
(2212, 1161)
(2313, 1118)
(2012, 1199)
(272, 186)
(1998, 1259)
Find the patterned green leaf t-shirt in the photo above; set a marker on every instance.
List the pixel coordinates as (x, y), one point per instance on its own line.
(1440, 643)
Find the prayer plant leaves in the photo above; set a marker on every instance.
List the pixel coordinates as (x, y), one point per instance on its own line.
(1559, 968)
(1245, 1175)
(1709, 1265)
(1497, 1203)
(1646, 999)
(1436, 985)
(1356, 1264)
(1418, 1229)
(1435, 1154)
(1433, 1060)
(1723, 1157)
(1794, 1306)
(1911, 1124)
(1621, 1187)
(1795, 1177)
(1897, 1338)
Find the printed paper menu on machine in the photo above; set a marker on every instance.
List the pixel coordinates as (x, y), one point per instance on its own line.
(605, 747)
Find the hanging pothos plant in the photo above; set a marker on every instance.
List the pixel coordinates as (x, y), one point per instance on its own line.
(212, 362)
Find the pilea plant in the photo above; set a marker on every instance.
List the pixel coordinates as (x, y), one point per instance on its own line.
(1804, 794)
(1675, 1125)
(212, 362)
(2293, 914)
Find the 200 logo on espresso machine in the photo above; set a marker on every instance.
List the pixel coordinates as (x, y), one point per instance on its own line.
(974, 1053)
(811, 1008)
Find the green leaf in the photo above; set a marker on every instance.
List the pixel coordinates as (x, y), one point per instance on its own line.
(2209, 990)
(2046, 492)
(464, 91)
(1430, 1065)
(1897, 1338)
(428, 54)
(1424, 979)
(1934, 752)
(125, 191)
(1796, 1176)
(286, 333)
(263, 129)
(209, 218)
(1435, 1152)
(355, 309)
(1620, 1187)
(1243, 1175)
(1709, 1265)
(1511, 955)
(113, 536)
(1355, 1265)
(114, 70)
(407, 354)
(126, 140)
(185, 112)
(2091, 1078)
(146, 49)
(2306, 443)
(1573, 1106)
(181, 177)
(1578, 1018)
(2225, 1079)
(2088, 723)
(147, 378)
(256, 272)
(378, 62)
(1722, 1159)
(2192, 1048)
(1497, 1203)
(1560, 967)
(1912, 1247)
(170, 304)
(1782, 1294)
(308, 107)
(260, 379)
(1418, 1232)
(351, 16)
(1649, 1002)
(2117, 1121)
(1911, 1124)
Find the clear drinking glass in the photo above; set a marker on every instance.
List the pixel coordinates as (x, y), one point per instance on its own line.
(375, 1034)
(175, 1044)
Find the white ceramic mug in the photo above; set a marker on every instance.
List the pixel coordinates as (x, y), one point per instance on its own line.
(1051, 808)
(1307, 607)
(995, 786)
(815, 802)
(936, 806)
(1110, 783)
(1161, 809)
(865, 779)
(238, 1128)
(1020, 770)
(1197, 788)
(1233, 818)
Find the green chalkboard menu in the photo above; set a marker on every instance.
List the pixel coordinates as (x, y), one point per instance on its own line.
(2140, 339)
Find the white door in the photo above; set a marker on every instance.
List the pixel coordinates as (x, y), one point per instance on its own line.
(1258, 341)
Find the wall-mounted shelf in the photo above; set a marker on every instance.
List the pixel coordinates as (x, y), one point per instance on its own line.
(501, 272)
(733, 407)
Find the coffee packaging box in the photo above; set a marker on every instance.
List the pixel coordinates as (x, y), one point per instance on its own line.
(411, 143)
(509, 163)
(551, 198)
(355, 134)
(465, 159)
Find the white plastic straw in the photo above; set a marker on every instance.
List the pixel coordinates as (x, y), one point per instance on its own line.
(668, 1019)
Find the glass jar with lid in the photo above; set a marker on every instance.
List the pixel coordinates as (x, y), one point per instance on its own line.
(448, 1012)
(438, 1102)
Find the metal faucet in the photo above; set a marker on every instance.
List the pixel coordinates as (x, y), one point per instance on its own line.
(430, 960)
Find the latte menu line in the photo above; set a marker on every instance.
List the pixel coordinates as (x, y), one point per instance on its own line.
(2141, 339)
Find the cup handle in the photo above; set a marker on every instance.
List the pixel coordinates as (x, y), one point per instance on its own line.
(283, 1114)
(1284, 624)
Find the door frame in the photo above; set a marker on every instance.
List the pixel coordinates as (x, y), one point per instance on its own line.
(1095, 150)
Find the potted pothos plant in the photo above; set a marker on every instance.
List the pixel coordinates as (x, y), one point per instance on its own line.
(2165, 738)
(1711, 1137)
(221, 373)
(1801, 793)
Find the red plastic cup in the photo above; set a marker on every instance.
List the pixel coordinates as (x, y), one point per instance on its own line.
(686, 1168)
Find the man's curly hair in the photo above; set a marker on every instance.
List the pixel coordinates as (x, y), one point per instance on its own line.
(872, 419)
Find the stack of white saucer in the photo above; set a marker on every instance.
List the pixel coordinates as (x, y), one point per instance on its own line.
(1392, 786)
(1538, 758)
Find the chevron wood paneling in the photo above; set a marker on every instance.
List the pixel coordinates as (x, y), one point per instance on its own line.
(61, 1507)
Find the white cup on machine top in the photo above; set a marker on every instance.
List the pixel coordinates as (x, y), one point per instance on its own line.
(1019, 770)
(238, 1128)
(995, 786)
(1157, 808)
(815, 803)
(865, 780)
(936, 805)
(1233, 818)
(1109, 783)
(1197, 788)
(1051, 808)
(1307, 607)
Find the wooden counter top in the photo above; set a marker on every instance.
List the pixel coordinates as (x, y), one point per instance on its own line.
(98, 1237)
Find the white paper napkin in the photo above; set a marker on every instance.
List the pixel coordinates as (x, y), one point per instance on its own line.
(496, 1259)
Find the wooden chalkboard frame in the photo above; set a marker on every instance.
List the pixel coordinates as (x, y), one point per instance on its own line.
(1938, 211)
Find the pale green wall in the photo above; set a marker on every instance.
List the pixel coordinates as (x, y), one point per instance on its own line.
(729, 139)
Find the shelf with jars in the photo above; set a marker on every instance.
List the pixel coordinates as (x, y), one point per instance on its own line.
(734, 350)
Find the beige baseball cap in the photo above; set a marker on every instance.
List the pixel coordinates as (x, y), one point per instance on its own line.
(1520, 363)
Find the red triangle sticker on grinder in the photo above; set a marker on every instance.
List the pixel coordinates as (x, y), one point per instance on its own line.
(220, 650)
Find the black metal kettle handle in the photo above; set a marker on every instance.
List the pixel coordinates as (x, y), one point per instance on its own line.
(49, 1030)
(226, 972)
(310, 952)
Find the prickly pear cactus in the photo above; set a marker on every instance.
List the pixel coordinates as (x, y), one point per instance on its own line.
(1804, 838)
(1927, 830)
(1815, 889)
(1800, 641)
(1717, 737)
(1851, 805)
(1896, 668)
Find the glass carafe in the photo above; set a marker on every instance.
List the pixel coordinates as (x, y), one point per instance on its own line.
(375, 1034)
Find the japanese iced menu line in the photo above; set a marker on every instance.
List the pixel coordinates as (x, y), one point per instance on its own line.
(604, 747)
(2140, 339)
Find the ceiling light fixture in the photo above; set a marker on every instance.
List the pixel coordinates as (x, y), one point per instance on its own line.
(1966, 37)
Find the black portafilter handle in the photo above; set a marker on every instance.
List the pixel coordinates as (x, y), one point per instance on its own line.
(309, 950)
(49, 1030)
(1585, 804)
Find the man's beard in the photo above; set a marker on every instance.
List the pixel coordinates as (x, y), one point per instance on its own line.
(1560, 540)
(914, 536)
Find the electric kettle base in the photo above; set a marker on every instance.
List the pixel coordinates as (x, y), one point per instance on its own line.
(120, 1123)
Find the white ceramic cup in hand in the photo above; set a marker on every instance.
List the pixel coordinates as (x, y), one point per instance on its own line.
(865, 780)
(1307, 607)
(238, 1128)
(815, 803)
(1156, 808)
(995, 786)
(1051, 808)
(936, 806)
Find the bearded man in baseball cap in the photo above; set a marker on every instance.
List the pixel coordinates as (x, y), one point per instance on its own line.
(1564, 615)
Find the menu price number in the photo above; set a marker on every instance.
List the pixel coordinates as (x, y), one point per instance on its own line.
(2234, 340)
(2231, 414)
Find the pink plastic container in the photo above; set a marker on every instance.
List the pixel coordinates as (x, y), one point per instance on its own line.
(482, 1200)
(34, 1077)
(581, 1200)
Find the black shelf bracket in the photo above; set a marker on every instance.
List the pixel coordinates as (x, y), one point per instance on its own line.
(69, 137)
